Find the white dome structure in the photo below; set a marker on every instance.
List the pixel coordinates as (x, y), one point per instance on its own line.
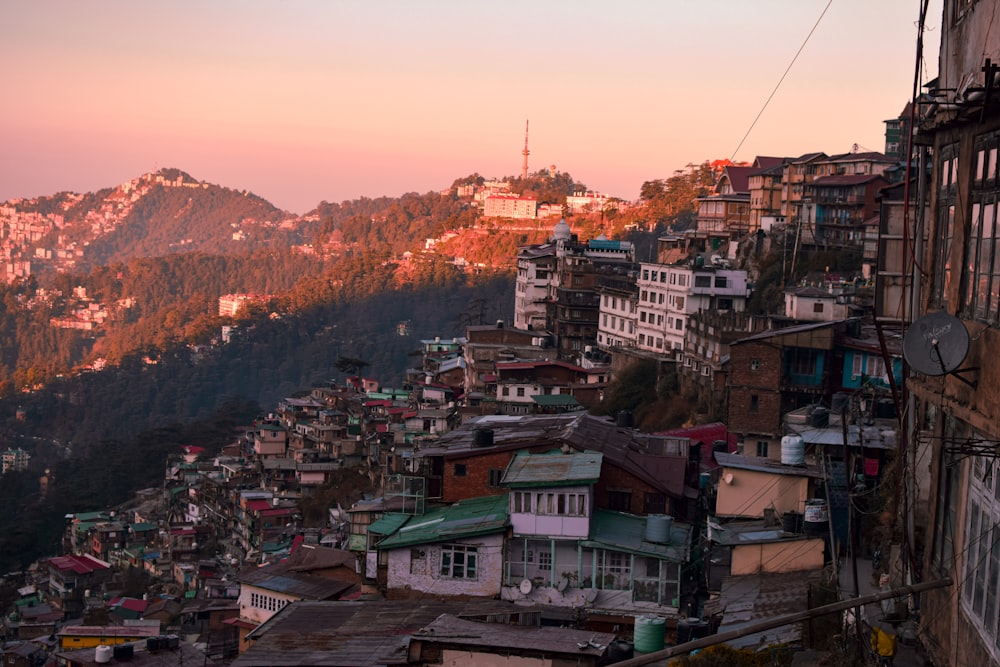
(561, 232)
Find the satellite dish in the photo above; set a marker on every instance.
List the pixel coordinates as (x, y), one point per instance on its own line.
(936, 344)
(562, 584)
(728, 478)
(590, 595)
(525, 586)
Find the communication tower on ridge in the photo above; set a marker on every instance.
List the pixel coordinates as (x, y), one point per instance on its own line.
(524, 165)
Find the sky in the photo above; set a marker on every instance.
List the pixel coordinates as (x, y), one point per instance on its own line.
(328, 100)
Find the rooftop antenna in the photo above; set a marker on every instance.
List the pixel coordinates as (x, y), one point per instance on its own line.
(524, 164)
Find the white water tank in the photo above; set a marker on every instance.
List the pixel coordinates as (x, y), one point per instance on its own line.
(102, 654)
(793, 452)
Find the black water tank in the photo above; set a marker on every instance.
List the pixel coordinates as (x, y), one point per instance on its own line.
(123, 652)
(684, 630)
(625, 419)
(619, 650)
(482, 437)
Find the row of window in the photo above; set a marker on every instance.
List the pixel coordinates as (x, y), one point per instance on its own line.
(266, 602)
(548, 503)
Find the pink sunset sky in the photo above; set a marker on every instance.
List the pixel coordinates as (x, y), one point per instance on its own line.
(301, 102)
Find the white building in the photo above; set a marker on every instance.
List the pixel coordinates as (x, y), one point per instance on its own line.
(668, 294)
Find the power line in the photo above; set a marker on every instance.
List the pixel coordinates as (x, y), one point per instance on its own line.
(787, 69)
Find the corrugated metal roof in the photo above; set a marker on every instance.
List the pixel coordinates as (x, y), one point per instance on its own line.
(553, 469)
(450, 630)
(388, 524)
(751, 598)
(468, 518)
(305, 586)
(760, 464)
(349, 634)
(555, 399)
(627, 532)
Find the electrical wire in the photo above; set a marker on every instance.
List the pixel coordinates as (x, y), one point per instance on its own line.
(787, 69)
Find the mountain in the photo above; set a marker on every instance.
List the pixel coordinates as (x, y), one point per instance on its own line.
(153, 215)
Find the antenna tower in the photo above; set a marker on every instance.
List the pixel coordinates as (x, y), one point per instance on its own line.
(524, 164)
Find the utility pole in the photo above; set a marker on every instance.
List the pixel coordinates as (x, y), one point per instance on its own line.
(524, 164)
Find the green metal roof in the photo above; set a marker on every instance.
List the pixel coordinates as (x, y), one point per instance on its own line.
(553, 469)
(627, 532)
(555, 400)
(467, 518)
(140, 527)
(388, 524)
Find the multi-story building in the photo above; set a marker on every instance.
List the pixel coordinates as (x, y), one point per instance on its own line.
(959, 412)
(510, 206)
(669, 294)
(14, 459)
(562, 279)
(617, 327)
(725, 214)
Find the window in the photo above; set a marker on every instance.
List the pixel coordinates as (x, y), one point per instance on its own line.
(654, 503)
(754, 402)
(545, 560)
(620, 501)
(459, 561)
(755, 364)
(947, 166)
(725, 304)
(679, 303)
(520, 391)
(418, 561)
(762, 448)
(505, 391)
(720, 281)
(495, 475)
(460, 470)
(703, 281)
(818, 307)
(980, 597)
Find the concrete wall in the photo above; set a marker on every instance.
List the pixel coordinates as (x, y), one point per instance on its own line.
(408, 579)
(778, 557)
(752, 491)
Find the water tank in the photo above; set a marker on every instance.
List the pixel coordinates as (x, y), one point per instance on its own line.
(885, 408)
(482, 437)
(658, 528)
(624, 419)
(704, 480)
(793, 451)
(102, 654)
(123, 652)
(619, 650)
(683, 631)
(700, 629)
(650, 632)
(791, 522)
(838, 402)
(816, 518)
(820, 417)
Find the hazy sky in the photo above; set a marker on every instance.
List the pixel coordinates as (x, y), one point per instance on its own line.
(301, 102)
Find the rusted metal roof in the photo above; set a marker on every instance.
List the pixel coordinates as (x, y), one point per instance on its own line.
(553, 468)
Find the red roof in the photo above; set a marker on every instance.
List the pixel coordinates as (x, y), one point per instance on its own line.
(706, 434)
(182, 531)
(381, 427)
(132, 604)
(520, 365)
(192, 449)
(377, 403)
(258, 505)
(78, 564)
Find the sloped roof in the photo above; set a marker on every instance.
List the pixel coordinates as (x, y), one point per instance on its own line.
(759, 464)
(358, 634)
(553, 469)
(78, 564)
(554, 400)
(846, 179)
(739, 178)
(303, 586)
(627, 532)
(467, 518)
(451, 630)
